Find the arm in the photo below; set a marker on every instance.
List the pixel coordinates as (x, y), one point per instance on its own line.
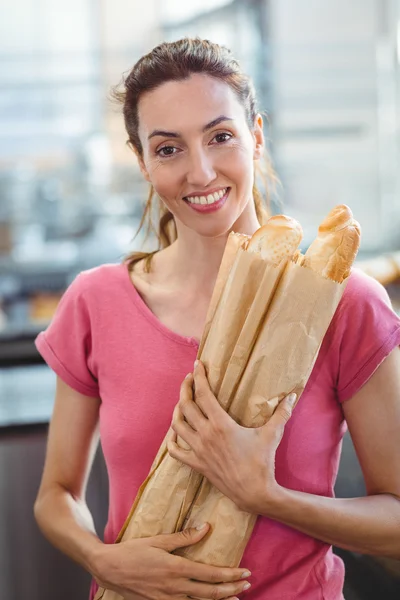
(369, 525)
(60, 508)
(229, 455)
(143, 565)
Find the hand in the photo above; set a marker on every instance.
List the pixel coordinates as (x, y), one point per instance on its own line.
(144, 568)
(238, 461)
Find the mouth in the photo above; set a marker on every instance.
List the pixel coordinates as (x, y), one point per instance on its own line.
(208, 203)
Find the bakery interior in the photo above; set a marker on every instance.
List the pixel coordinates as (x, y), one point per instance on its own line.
(327, 73)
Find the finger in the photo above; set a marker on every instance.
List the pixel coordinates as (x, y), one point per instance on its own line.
(209, 574)
(183, 429)
(284, 410)
(214, 591)
(181, 539)
(203, 395)
(186, 389)
(188, 382)
(186, 457)
(191, 412)
(201, 386)
(230, 598)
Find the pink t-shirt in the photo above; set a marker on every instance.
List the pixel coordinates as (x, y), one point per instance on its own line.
(104, 341)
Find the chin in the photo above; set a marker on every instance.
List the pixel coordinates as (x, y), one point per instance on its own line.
(215, 229)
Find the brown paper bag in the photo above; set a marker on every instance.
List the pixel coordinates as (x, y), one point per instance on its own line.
(267, 331)
(234, 242)
(281, 362)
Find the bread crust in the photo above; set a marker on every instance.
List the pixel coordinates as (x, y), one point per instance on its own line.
(335, 248)
(277, 240)
(331, 254)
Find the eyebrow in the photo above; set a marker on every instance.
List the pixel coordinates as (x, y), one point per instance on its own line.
(174, 134)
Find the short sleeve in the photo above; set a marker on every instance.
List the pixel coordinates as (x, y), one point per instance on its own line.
(367, 330)
(66, 345)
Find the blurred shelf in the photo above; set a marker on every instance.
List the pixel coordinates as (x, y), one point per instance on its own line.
(26, 395)
(17, 345)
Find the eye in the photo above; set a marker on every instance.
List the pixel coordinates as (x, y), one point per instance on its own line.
(222, 137)
(166, 151)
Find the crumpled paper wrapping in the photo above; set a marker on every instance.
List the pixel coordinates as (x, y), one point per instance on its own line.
(263, 331)
(280, 362)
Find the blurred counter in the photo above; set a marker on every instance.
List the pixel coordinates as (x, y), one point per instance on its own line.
(26, 395)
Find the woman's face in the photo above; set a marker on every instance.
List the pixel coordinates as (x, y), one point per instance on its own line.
(198, 152)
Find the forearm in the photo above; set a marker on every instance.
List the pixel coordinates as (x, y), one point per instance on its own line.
(68, 525)
(369, 525)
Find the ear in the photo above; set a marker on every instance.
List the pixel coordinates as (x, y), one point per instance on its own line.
(140, 160)
(258, 136)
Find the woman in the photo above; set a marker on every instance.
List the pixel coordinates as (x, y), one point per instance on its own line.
(124, 337)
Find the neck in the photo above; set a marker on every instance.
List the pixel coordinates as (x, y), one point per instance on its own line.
(193, 260)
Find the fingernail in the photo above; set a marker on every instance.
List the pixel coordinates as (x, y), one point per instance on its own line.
(245, 575)
(202, 526)
(247, 586)
(196, 362)
(188, 375)
(292, 398)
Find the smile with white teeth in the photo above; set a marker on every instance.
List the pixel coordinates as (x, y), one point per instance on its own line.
(210, 199)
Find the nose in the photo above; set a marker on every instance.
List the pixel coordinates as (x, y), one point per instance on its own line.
(200, 169)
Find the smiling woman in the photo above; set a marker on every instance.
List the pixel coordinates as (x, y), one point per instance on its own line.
(205, 155)
(191, 117)
(125, 336)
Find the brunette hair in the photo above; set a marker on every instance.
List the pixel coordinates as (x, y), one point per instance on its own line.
(176, 61)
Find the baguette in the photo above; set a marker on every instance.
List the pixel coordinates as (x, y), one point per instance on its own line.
(333, 251)
(277, 240)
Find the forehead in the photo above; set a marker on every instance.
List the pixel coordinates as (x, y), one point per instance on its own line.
(187, 104)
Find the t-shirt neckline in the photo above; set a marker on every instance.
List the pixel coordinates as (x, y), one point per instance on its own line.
(150, 316)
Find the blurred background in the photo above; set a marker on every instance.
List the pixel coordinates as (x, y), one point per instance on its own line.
(327, 74)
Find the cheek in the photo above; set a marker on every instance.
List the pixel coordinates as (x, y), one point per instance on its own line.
(165, 179)
(237, 157)
(238, 166)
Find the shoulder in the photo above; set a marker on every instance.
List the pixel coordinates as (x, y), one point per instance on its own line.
(364, 299)
(364, 330)
(98, 283)
(365, 306)
(98, 278)
(91, 291)
(364, 288)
